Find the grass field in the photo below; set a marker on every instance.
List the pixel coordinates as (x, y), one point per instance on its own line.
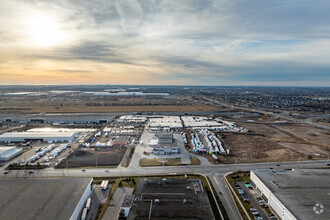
(144, 162)
(195, 161)
(105, 109)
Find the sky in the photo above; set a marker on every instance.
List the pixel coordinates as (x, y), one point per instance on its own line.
(165, 42)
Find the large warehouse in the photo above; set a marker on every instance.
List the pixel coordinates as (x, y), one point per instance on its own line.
(43, 136)
(6, 153)
(296, 194)
(35, 198)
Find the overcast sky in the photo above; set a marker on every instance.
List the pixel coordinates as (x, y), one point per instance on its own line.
(179, 42)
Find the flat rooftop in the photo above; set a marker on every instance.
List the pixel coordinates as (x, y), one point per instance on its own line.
(36, 134)
(4, 149)
(171, 199)
(300, 190)
(43, 198)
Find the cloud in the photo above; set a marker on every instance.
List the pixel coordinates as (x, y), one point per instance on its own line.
(177, 42)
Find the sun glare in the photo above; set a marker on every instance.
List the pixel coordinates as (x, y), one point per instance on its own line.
(44, 30)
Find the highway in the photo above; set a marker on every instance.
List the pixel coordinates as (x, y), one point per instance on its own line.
(214, 172)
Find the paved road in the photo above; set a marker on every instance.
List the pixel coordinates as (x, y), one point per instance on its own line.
(215, 172)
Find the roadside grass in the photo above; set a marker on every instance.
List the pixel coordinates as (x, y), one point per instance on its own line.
(145, 162)
(195, 161)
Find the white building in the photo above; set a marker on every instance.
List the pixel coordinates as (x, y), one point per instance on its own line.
(295, 194)
(43, 136)
(126, 206)
(6, 153)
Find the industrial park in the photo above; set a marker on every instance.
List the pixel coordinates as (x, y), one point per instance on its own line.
(225, 164)
(164, 110)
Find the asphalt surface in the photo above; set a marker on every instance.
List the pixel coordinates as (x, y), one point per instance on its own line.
(215, 172)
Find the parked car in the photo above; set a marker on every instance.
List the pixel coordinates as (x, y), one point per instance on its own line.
(6, 172)
(272, 216)
(253, 210)
(255, 213)
(31, 171)
(246, 200)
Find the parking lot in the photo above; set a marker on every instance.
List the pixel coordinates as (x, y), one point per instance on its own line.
(258, 207)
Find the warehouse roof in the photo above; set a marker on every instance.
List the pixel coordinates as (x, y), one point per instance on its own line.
(4, 149)
(300, 190)
(8, 151)
(40, 198)
(36, 134)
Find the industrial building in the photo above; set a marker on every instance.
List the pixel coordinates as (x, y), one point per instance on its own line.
(165, 144)
(38, 135)
(132, 119)
(164, 122)
(6, 153)
(170, 199)
(295, 194)
(44, 198)
(165, 137)
(126, 206)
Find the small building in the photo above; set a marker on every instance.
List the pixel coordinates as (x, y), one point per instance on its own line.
(6, 153)
(126, 206)
(166, 144)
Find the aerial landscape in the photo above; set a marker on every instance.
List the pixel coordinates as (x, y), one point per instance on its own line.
(139, 109)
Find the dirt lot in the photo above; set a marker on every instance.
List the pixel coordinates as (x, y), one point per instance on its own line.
(280, 142)
(90, 157)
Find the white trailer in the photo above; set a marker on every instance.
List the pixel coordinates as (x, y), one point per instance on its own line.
(105, 185)
(84, 214)
(88, 203)
(102, 184)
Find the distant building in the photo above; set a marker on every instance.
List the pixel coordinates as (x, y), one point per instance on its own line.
(6, 153)
(56, 136)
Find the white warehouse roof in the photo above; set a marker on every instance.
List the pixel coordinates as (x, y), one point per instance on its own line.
(7, 153)
(46, 136)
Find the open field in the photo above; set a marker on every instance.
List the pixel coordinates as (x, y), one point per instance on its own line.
(90, 157)
(106, 109)
(281, 142)
(195, 161)
(79, 103)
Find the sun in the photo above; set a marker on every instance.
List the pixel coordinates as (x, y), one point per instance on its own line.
(44, 30)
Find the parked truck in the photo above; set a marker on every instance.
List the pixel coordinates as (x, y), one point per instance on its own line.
(88, 203)
(105, 185)
(84, 214)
